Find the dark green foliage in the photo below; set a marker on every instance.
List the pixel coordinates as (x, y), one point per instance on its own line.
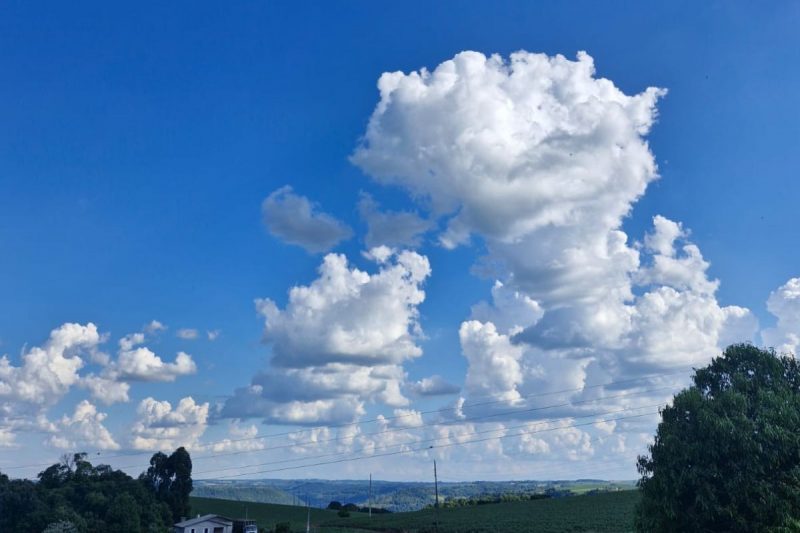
(343, 513)
(170, 480)
(283, 527)
(726, 455)
(334, 506)
(76, 496)
(485, 499)
(610, 512)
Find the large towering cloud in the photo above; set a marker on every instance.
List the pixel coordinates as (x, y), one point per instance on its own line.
(339, 341)
(543, 160)
(511, 147)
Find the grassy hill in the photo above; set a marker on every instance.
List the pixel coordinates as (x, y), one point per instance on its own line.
(245, 493)
(610, 512)
(266, 514)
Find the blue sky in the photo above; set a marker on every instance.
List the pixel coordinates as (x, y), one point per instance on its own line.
(139, 142)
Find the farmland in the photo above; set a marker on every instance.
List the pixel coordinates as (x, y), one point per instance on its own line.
(265, 514)
(602, 512)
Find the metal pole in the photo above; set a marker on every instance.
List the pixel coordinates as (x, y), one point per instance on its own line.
(370, 495)
(436, 489)
(436, 484)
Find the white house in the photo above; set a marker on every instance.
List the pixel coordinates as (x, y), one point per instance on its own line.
(210, 523)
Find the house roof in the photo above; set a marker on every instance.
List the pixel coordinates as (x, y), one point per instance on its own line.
(205, 518)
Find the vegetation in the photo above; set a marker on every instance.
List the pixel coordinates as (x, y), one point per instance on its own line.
(170, 479)
(497, 498)
(726, 455)
(242, 490)
(267, 515)
(74, 496)
(600, 513)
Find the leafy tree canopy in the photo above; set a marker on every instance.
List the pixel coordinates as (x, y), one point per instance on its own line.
(726, 455)
(75, 496)
(170, 479)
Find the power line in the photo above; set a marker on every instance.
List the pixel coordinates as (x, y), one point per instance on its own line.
(434, 424)
(429, 424)
(436, 446)
(376, 419)
(417, 442)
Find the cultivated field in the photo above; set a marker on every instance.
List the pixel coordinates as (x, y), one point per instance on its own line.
(266, 514)
(600, 513)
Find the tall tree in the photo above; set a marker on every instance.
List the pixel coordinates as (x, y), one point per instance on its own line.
(170, 479)
(726, 455)
(180, 465)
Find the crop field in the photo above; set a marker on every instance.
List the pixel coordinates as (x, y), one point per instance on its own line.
(603, 512)
(265, 514)
(610, 512)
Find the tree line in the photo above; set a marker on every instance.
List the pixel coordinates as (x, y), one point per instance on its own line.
(74, 496)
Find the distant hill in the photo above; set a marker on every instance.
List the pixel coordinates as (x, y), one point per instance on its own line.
(393, 495)
(244, 492)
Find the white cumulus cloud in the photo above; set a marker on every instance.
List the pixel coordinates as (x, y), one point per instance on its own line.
(159, 426)
(48, 372)
(784, 303)
(543, 160)
(84, 429)
(339, 341)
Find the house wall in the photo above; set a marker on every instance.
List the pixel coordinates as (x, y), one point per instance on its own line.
(201, 528)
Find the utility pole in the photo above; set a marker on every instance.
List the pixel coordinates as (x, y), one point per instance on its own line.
(435, 484)
(436, 489)
(370, 494)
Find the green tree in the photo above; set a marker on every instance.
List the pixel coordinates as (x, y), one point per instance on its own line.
(61, 527)
(726, 455)
(170, 479)
(123, 515)
(180, 465)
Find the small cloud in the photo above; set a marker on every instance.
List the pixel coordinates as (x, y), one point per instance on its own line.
(188, 334)
(391, 228)
(296, 220)
(433, 386)
(213, 334)
(154, 327)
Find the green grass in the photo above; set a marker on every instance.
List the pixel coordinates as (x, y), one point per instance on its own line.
(265, 514)
(610, 512)
(599, 513)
